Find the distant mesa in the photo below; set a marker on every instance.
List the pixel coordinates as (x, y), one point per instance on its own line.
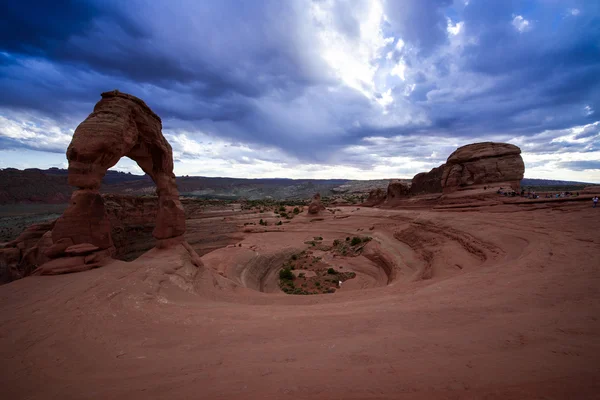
(476, 165)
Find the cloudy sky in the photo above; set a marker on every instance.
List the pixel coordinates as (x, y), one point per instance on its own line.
(310, 89)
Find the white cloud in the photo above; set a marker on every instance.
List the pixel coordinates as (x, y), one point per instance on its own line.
(521, 24)
(353, 59)
(454, 29)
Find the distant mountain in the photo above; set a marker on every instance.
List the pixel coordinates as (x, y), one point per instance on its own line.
(551, 182)
(50, 186)
(32, 186)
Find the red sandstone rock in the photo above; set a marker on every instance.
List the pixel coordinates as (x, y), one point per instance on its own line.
(478, 164)
(81, 249)
(58, 248)
(428, 182)
(120, 126)
(84, 221)
(316, 206)
(9, 262)
(376, 197)
(396, 190)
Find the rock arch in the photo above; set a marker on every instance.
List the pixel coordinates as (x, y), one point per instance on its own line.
(121, 125)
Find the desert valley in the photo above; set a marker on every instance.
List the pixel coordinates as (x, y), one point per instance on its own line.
(452, 285)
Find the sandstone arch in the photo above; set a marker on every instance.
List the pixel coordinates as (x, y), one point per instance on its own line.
(121, 125)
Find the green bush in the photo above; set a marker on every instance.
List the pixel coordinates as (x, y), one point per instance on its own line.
(296, 210)
(347, 239)
(294, 256)
(317, 284)
(355, 240)
(332, 271)
(282, 208)
(286, 274)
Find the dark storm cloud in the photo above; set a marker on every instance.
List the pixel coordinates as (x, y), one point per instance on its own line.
(419, 22)
(253, 72)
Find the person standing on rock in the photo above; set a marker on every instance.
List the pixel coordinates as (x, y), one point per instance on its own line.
(595, 201)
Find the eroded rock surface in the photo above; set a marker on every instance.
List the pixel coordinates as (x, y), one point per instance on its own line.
(428, 182)
(315, 206)
(376, 197)
(475, 165)
(397, 190)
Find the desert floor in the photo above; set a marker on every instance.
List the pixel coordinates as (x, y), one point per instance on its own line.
(474, 303)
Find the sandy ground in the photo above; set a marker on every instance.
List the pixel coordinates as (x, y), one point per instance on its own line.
(494, 302)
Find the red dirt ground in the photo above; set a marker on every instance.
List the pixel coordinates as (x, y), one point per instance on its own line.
(491, 302)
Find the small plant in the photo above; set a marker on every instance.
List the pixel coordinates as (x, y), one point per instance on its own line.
(355, 240)
(318, 237)
(331, 271)
(336, 242)
(279, 223)
(282, 208)
(294, 257)
(286, 274)
(296, 210)
(317, 284)
(347, 239)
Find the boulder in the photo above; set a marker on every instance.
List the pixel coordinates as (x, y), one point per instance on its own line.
(476, 165)
(428, 182)
(315, 206)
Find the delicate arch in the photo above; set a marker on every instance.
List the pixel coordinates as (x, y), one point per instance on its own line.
(121, 125)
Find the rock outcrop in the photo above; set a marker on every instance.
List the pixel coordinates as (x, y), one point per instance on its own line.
(376, 197)
(315, 206)
(19, 257)
(121, 125)
(480, 164)
(396, 190)
(428, 182)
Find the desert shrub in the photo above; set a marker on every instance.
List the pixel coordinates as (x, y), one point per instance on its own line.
(280, 223)
(286, 274)
(331, 271)
(347, 239)
(294, 256)
(318, 237)
(296, 210)
(336, 242)
(282, 208)
(317, 284)
(355, 240)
